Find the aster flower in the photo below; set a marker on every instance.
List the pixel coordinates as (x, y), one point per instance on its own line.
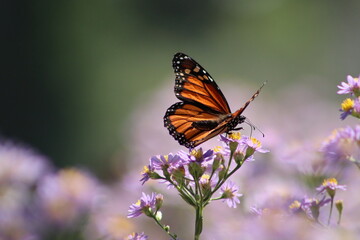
(243, 147)
(330, 185)
(21, 164)
(146, 204)
(342, 144)
(137, 236)
(147, 170)
(165, 161)
(350, 107)
(229, 192)
(351, 87)
(197, 156)
(253, 145)
(310, 206)
(67, 195)
(347, 107)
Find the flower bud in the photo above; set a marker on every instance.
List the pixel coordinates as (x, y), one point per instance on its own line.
(239, 157)
(159, 199)
(158, 216)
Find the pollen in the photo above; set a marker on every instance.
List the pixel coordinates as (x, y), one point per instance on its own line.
(295, 205)
(145, 169)
(330, 181)
(197, 153)
(256, 142)
(347, 105)
(217, 149)
(235, 135)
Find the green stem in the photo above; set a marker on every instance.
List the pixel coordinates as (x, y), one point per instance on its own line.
(339, 220)
(331, 208)
(198, 221)
(172, 235)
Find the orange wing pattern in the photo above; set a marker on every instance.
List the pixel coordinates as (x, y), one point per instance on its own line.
(191, 125)
(194, 85)
(204, 112)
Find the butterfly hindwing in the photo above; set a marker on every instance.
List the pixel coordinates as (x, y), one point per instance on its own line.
(194, 85)
(191, 125)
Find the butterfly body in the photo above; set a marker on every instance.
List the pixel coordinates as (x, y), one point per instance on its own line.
(203, 111)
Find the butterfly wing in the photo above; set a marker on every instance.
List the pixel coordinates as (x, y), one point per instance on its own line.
(194, 85)
(192, 125)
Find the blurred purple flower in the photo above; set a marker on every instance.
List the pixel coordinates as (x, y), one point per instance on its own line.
(67, 195)
(352, 86)
(20, 164)
(21, 169)
(330, 185)
(342, 144)
(229, 192)
(145, 205)
(137, 236)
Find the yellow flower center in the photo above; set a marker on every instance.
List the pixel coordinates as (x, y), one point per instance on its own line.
(347, 105)
(145, 169)
(217, 149)
(328, 181)
(295, 204)
(235, 135)
(197, 153)
(256, 142)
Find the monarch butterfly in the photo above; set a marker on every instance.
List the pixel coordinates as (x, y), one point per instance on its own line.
(203, 112)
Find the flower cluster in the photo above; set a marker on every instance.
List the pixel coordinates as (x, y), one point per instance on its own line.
(197, 175)
(311, 206)
(350, 106)
(343, 145)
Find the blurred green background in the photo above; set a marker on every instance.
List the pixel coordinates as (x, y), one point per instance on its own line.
(72, 71)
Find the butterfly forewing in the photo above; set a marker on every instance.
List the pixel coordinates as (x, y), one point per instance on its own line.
(194, 85)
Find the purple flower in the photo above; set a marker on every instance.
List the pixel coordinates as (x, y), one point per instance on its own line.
(67, 195)
(311, 206)
(342, 144)
(229, 192)
(254, 144)
(243, 146)
(20, 165)
(330, 185)
(137, 236)
(165, 161)
(146, 174)
(146, 204)
(197, 156)
(347, 107)
(351, 87)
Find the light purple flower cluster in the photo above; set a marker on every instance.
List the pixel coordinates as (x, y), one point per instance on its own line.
(350, 106)
(35, 201)
(197, 175)
(343, 145)
(184, 170)
(311, 206)
(21, 169)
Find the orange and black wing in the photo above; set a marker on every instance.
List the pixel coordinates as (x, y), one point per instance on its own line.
(194, 85)
(192, 125)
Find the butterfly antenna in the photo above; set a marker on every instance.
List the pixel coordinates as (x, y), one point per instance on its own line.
(253, 127)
